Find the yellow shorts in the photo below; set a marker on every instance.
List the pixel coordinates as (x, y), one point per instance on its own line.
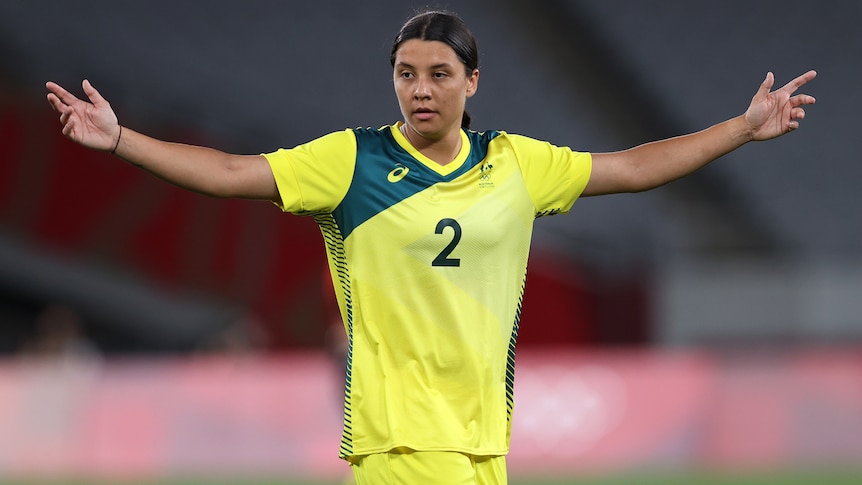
(407, 467)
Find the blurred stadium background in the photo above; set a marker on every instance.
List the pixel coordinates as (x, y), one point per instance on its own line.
(709, 331)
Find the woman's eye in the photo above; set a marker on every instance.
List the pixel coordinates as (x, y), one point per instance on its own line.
(406, 75)
(439, 75)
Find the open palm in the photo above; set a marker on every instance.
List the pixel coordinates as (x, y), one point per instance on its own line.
(92, 124)
(775, 113)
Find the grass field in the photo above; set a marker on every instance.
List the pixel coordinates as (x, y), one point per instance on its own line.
(821, 477)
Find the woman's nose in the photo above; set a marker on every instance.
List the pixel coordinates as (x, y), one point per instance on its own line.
(422, 89)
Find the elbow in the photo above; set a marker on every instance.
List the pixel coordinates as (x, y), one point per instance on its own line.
(617, 173)
(223, 182)
(637, 181)
(243, 177)
(224, 187)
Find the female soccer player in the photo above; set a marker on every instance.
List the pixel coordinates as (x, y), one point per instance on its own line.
(427, 227)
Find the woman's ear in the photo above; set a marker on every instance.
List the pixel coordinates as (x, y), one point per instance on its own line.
(473, 83)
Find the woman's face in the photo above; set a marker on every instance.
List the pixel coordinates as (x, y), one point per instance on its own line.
(432, 87)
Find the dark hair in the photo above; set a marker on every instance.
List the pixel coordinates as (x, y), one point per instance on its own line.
(445, 27)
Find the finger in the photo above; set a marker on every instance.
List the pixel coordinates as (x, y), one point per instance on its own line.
(797, 114)
(61, 94)
(55, 103)
(799, 81)
(802, 99)
(93, 94)
(68, 128)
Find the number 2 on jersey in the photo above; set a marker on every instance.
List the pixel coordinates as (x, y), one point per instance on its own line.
(443, 258)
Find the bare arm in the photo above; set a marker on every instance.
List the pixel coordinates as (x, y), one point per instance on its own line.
(93, 124)
(770, 114)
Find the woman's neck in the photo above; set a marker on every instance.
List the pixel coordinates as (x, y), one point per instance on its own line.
(443, 150)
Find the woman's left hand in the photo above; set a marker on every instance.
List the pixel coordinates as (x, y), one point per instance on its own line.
(775, 113)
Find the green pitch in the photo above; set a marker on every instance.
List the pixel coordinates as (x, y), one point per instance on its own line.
(819, 477)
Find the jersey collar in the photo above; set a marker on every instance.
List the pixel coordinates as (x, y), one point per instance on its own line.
(440, 169)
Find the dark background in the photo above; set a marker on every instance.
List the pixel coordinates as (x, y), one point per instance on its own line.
(761, 247)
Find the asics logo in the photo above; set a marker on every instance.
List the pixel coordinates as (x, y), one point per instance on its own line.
(397, 173)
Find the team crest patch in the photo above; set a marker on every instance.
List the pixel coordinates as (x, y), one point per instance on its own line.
(485, 181)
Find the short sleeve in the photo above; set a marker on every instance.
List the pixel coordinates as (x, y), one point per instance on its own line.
(315, 176)
(555, 176)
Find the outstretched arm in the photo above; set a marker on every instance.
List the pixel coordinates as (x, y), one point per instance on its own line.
(770, 114)
(94, 125)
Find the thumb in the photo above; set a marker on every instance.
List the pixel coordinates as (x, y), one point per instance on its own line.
(766, 85)
(93, 94)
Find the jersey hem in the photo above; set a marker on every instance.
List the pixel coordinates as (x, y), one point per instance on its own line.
(451, 449)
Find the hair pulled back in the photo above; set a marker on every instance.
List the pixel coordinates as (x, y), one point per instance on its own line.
(444, 27)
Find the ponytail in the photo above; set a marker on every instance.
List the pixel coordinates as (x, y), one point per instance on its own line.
(465, 120)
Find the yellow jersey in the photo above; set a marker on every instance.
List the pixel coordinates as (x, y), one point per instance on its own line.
(428, 262)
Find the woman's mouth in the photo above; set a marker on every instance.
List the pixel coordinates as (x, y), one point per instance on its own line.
(423, 114)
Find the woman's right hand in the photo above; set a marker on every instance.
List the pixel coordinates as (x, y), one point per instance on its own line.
(92, 124)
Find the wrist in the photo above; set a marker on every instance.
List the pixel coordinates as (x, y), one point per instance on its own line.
(117, 143)
(741, 130)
